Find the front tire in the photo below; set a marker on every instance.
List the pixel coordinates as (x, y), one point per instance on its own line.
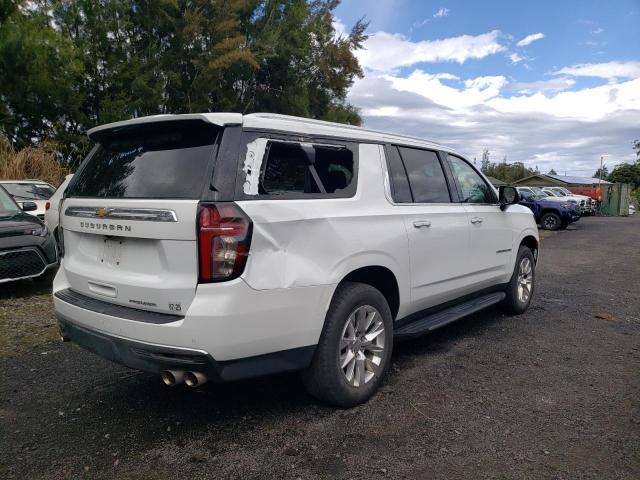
(550, 221)
(520, 289)
(354, 351)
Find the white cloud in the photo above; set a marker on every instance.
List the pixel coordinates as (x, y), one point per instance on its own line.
(552, 85)
(442, 12)
(529, 39)
(515, 58)
(597, 31)
(609, 70)
(545, 123)
(387, 51)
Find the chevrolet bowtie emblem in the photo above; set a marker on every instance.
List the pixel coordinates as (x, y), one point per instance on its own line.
(102, 212)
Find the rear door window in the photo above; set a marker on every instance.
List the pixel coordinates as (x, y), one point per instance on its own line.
(399, 183)
(426, 176)
(166, 160)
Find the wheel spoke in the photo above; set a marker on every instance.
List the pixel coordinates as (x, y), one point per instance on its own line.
(377, 330)
(373, 347)
(349, 372)
(372, 367)
(360, 370)
(350, 331)
(347, 358)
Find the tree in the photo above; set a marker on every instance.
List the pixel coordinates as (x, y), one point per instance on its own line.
(626, 173)
(485, 163)
(552, 172)
(636, 147)
(508, 172)
(604, 172)
(66, 66)
(40, 78)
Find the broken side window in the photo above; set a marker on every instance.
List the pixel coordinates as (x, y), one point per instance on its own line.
(293, 169)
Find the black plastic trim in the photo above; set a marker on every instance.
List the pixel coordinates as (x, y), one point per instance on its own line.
(432, 321)
(452, 303)
(156, 358)
(105, 308)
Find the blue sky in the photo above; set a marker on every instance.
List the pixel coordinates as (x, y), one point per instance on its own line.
(551, 84)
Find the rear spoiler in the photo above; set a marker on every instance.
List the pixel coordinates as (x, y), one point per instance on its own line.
(219, 119)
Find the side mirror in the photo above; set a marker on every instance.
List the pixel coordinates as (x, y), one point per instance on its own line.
(507, 196)
(29, 206)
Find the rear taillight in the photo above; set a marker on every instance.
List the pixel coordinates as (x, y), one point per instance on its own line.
(224, 235)
(47, 205)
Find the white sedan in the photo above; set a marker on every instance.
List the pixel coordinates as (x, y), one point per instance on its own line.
(52, 206)
(35, 191)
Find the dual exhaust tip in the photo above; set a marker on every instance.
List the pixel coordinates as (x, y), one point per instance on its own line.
(172, 378)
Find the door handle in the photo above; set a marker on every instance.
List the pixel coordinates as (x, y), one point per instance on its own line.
(476, 220)
(422, 223)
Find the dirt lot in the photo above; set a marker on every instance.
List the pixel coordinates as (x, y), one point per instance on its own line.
(554, 393)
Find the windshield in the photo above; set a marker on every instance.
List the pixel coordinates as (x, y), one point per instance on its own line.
(559, 192)
(7, 205)
(29, 191)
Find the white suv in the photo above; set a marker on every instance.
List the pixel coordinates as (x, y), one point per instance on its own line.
(220, 246)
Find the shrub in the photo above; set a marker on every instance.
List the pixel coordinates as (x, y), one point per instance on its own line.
(39, 163)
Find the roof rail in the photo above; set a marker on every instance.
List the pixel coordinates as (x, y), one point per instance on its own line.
(313, 121)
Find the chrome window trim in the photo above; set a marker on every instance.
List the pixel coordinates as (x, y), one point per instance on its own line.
(115, 213)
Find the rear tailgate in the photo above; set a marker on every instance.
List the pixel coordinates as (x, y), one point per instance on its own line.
(129, 216)
(140, 253)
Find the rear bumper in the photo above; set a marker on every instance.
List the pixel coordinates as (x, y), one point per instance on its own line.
(153, 358)
(230, 330)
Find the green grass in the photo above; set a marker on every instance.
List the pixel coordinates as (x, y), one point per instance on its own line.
(26, 318)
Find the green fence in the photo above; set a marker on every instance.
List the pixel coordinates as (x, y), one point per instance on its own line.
(615, 199)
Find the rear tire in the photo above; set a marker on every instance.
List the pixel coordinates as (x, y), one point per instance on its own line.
(550, 221)
(354, 351)
(522, 284)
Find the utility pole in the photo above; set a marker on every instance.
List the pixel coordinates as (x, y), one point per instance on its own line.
(600, 172)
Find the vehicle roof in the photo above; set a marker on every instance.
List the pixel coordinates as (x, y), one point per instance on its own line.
(284, 123)
(26, 181)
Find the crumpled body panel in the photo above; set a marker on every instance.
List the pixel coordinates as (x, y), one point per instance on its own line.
(299, 243)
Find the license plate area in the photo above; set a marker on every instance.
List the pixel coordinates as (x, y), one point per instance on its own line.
(112, 251)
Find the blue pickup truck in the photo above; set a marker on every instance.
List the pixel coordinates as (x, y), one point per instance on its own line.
(549, 215)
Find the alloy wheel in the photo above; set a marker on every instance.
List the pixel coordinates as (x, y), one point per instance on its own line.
(525, 280)
(550, 223)
(362, 346)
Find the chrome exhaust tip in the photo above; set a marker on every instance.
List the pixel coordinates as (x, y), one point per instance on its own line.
(195, 379)
(172, 378)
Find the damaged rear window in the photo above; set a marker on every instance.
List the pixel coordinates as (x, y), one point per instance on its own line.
(168, 160)
(298, 170)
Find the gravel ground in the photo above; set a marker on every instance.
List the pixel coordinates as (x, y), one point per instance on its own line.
(554, 393)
